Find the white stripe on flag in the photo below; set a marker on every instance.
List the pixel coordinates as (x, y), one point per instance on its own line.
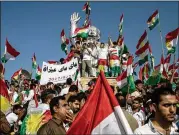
(122, 83)
(114, 123)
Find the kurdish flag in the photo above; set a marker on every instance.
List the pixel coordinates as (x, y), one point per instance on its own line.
(143, 40)
(153, 20)
(143, 53)
(34, 121)
(65, 41)
(87, 8)
(4, 98)
(125, 81)
(122, 46)
(10, 53)
(34, 62)
(169, 39)
(16, 74)
(82, 32)
(106, 117)
(38, 73)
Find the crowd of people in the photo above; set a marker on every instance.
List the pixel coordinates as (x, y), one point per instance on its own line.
(94, 57)
(148, 110)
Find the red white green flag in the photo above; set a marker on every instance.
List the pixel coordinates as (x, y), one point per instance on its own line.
(169, 39)
(34, 62)
(125, 80)
(65, 41)
(16, 74)
(38, 73)
(153, 20)
(121, 24)
(10, 53)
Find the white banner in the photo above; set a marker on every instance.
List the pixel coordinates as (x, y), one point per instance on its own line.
(58, 73)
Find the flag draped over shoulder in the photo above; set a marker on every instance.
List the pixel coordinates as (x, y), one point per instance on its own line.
(16, 74)
(33, 121)
(4, 97)
(125, 81)
(169, 39)
(106, 117)
(153, 20)
(10, 53)
(34, 62)
(65, 41)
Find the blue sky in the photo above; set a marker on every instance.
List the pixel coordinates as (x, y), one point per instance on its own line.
(35, 26)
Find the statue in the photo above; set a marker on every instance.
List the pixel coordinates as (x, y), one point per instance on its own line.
(93, 33)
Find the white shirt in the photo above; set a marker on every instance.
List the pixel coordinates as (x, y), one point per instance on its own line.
(12, 118)
(149, 129)
(102, 53)
(64, 91)
(86, 54)
(15, 95)
(139, 117)
(28, 97)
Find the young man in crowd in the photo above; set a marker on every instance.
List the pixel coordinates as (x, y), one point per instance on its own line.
(68, 84)
(164, 101)
(14, 118)
(74, 104)
(103, 59)
(136, 108)
(73, 90)
(114, 60)
(82, 98)
(60, 113)
(86, 61)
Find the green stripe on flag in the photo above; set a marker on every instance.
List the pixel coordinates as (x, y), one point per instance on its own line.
(142, 61)
(24, 126)
(3, 59)
(153, 24)
(130, 84)
(82, 35)
(172, 50)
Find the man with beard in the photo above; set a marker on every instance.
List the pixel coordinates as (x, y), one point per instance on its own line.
(164, 101)
(74, 104)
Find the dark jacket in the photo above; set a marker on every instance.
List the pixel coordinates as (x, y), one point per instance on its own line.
(52, 127)
(5, 127)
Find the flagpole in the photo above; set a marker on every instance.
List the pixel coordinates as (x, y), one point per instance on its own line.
(161, 38)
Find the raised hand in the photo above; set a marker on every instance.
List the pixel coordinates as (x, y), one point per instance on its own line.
(75, 18)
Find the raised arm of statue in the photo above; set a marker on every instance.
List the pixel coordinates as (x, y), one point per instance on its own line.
(74, 20)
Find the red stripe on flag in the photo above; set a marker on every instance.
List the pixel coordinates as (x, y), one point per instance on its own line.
(122, 76)
(144, 35)
(11, 50)
(142, 49)
(4, 91)
(172, 35)
(152, 16)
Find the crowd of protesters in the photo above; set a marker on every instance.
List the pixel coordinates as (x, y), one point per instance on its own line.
(148, 110)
